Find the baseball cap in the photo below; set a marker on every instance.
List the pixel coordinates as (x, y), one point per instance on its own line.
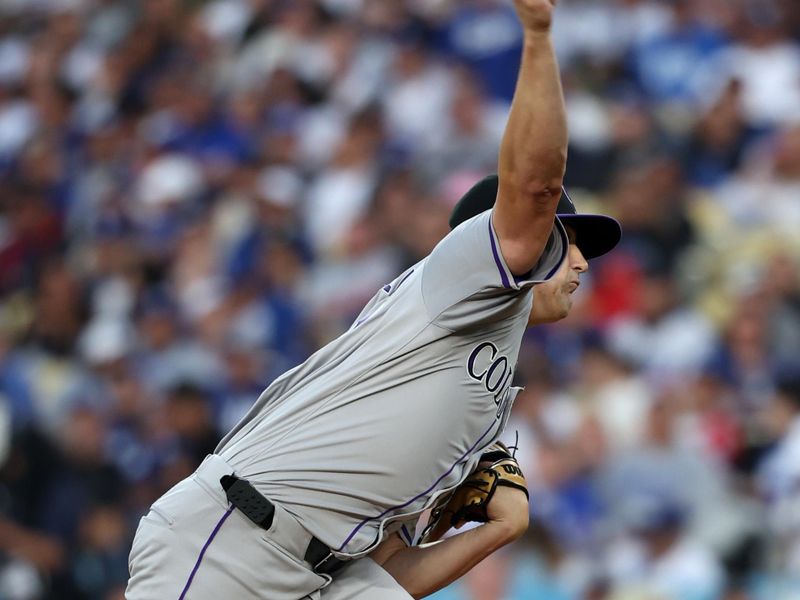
(595, 234)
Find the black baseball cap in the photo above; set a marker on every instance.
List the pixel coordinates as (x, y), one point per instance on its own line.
(595, 234)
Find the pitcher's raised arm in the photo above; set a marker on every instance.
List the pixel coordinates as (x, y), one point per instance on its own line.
(533, 152)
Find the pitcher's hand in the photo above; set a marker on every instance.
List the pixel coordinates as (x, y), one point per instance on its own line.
(536, 15)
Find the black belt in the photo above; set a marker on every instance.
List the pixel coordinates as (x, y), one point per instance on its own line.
(261, 511)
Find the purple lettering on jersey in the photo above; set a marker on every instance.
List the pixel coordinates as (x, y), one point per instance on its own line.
(495, 378)
(474, 355)
(492, 370)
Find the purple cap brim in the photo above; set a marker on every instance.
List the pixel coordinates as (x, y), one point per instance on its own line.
(595, 235)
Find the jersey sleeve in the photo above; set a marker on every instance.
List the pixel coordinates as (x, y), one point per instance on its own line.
(467, 266)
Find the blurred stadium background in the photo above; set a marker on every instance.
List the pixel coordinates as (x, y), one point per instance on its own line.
(196, 195)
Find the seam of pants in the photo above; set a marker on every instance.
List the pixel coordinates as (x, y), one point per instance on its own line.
(203, 551)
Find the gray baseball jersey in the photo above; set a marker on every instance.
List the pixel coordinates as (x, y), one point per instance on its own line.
(371, 429)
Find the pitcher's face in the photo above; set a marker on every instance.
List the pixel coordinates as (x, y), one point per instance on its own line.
(552, 300)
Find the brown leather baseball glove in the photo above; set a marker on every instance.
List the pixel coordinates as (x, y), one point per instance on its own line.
(470, 499)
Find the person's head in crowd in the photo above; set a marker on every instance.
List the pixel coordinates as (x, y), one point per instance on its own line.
(84, 436)
(103, 540)
(600, 365)
(158, 14)
(129, 402)
(598, 590)
(411, 60)
(658, 295)
(784, 408)
(280, 192)
(684, 13)
(188, 414)
(390, 18)
(737, 592)
(246, 365)
(543, 540)
(281, 265)
(468, 103)
(301, 18)
(657, 520)
(195, 105)
(60, 309)
(711, 389)
(157, 319)
(536, 376)
(393, 203)
(660, 427)
(723, 117)
(632, 125)
(105, 345)
(762, 22)
(189, 433)
(746, 333)
(781, 279)
(361, 143)
(244, 109)
(786, 157)
(634, 198)
(103, 531)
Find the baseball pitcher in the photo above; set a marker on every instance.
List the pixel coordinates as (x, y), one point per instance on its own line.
(316, 492)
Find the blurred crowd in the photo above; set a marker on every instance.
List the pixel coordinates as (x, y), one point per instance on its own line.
(195, 195)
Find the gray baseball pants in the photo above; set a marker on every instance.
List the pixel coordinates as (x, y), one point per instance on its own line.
(193, 545)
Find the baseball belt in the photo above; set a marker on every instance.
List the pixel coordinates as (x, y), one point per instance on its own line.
(260, 510)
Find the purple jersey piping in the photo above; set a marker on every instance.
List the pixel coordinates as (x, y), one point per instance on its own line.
(497, 260)
(409, 538)
(387, 288)
(418, 496)
(559, 226)
(564, 247)
(501, 267)
(203, 552)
